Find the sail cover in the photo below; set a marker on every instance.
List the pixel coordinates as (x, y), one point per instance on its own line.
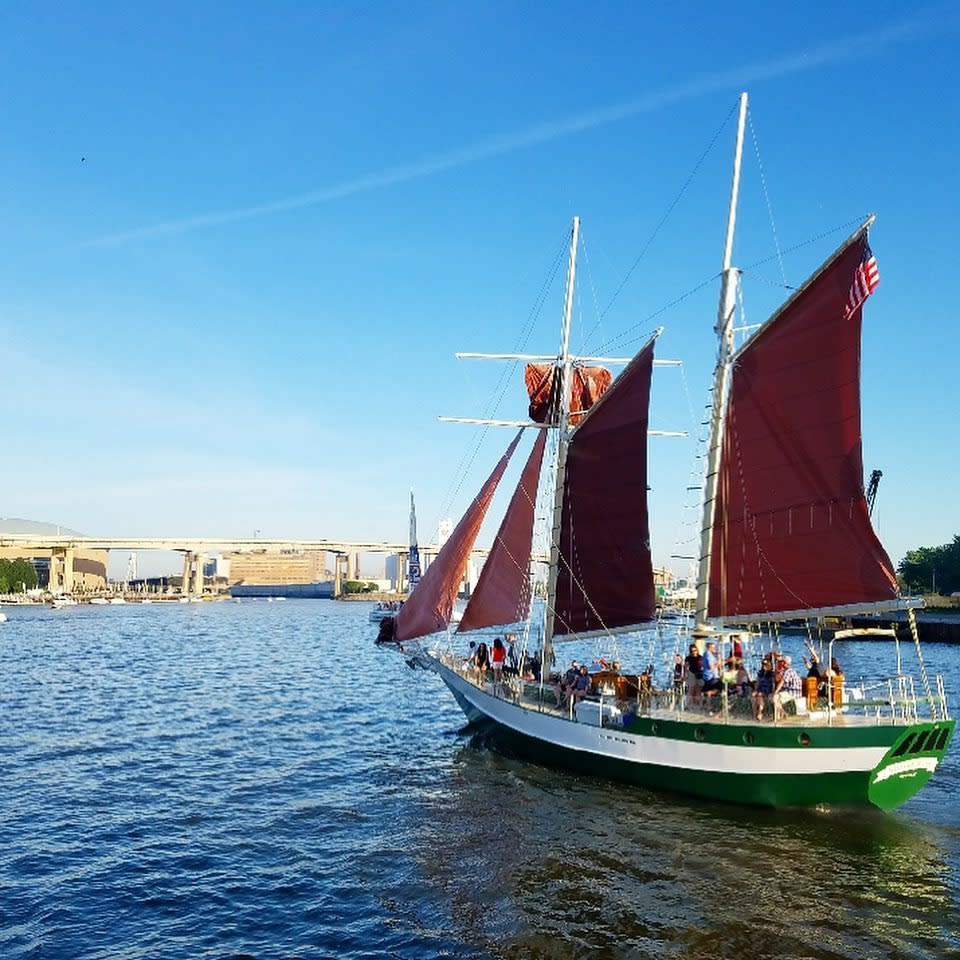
(413, 558)
(792, 530)
(429, 609)
(587, 386)
(502, 594)
(604, 574)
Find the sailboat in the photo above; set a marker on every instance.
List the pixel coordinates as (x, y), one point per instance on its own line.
(786, 536)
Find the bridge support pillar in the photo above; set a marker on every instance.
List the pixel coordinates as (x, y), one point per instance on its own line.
(68, 570)
(187, 569)
(198, 559)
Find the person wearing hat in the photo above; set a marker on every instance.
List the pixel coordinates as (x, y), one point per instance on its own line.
(789, 687)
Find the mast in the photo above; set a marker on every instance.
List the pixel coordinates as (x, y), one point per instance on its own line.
(721, 383)
(413, 556)
(563, 443)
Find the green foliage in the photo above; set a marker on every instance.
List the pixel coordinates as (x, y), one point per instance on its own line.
(932, 569)
(17, 575)
(371, 587)
(354, 586)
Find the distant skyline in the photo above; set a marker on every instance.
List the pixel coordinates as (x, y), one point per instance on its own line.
(240, 246)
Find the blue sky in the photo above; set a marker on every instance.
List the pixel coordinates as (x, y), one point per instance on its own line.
(241, 244)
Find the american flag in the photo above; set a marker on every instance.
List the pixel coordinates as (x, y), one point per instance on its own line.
(865, 280)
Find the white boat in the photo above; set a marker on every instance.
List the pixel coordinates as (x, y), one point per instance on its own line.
(786, 536)
(59, 602)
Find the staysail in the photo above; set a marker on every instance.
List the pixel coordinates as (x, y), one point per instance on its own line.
(604, 572)
(429, 609)
(792, 530)
(502, 594)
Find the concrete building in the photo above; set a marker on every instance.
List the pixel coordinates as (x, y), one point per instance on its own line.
(89, 566)
(277, 567)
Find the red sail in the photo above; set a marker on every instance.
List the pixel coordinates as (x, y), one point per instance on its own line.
(502, 594)
(605, 575)
(792, 531)
(429, 608)
(588, 384)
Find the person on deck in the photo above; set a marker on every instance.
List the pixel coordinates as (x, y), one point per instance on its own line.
(693, 662)
(482, 662)
(710, 671)
(565, 683)
(497, 658)
(764, 687)
(789, 687)
(580, 688)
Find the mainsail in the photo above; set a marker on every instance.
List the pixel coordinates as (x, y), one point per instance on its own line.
(429, 609)
(502, 594)
(792, 530)
(605, 573)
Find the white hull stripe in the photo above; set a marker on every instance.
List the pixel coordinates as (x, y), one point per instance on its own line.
(618, 744)
(904, 767)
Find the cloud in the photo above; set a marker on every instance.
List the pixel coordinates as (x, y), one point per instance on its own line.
(841, 50)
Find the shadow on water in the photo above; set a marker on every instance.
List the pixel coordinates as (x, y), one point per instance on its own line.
(535, 862)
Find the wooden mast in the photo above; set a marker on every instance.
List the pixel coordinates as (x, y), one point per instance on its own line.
(563, 424)
(721, 385)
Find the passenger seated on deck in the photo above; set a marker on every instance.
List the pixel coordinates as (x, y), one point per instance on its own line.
(742, 684)
(710, 671)
(566, 682)
(788, 687)
(764, 687)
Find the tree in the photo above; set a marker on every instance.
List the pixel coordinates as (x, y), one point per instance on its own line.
(17, 575)
(932, 569)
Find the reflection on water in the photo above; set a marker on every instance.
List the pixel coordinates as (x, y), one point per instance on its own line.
(537, 862)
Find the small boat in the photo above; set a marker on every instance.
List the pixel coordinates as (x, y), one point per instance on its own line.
(786, 537)
(59, 602)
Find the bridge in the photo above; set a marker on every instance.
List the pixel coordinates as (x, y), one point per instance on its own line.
(62, 549)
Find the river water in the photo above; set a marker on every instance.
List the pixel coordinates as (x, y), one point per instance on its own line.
(258, 780)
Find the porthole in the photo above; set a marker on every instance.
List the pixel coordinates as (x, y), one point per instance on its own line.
(700, 733)
(654, 728)
(749, 738)
(804, 739)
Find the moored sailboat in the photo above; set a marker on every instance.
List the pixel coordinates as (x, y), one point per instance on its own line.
(786, 535)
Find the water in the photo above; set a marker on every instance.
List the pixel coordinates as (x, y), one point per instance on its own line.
(258, 780)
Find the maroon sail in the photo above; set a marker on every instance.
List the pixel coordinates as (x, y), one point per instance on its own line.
(587, 386)
(792, 530)
(502, 594)
(429, 608)
(605, 574)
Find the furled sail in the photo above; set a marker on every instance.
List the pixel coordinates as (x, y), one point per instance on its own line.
(604, 573)
(502, 594)
(429, 609)
(588, 384)
(792, 530)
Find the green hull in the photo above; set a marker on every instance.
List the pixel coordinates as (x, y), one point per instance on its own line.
(912, 754)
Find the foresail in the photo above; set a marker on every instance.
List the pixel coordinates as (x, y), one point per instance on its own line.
(429, 609)
(502, 594)
(792, 531)
(604, 572)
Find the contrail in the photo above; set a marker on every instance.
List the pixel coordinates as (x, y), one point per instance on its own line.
(838, 51)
